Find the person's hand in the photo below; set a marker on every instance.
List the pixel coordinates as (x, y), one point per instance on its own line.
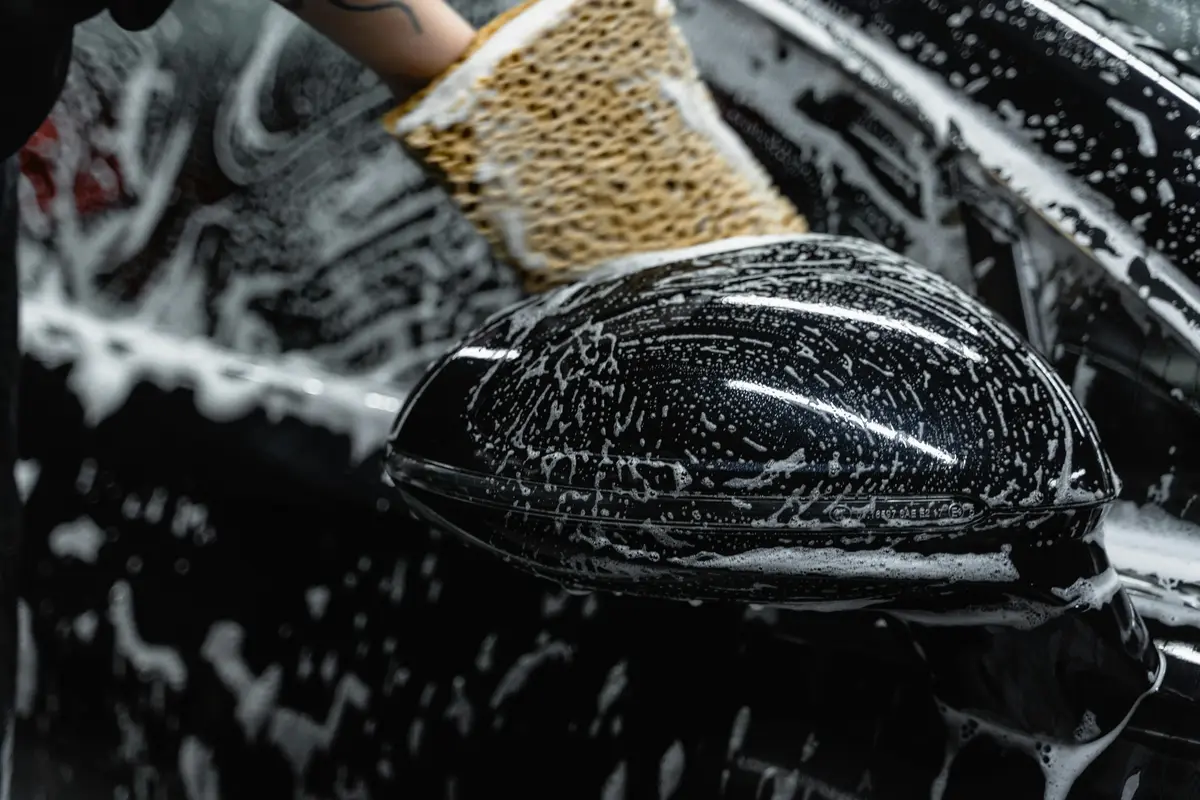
(406, 42)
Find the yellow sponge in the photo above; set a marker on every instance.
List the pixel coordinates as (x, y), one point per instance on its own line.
(576, 131)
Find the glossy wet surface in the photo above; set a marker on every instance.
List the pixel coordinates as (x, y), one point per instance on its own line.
(201, 621)
(184, 638)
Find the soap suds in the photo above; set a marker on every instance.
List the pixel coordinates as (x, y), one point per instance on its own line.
(81, 539)
(1035, 178)
(1149, 542)
(157, 662)
(1147, 144)
(110, 357)
(1061, 763)
(834, 562)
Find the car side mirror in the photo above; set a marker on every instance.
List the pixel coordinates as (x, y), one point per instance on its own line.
(811, 422)
(798, 420)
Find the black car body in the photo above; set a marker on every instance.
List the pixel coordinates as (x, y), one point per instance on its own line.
(233, 277)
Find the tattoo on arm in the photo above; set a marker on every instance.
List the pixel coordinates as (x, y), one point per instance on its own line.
(344, 5)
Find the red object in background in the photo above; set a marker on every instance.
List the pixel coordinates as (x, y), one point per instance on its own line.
(37, 159)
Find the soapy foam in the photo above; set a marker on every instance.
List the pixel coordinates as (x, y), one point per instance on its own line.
(198, 771)
(27, 662)
(1168, 608)
(81, 539)
(1158, 556)
(157, 662)
(834, 562)
(26, 474)
(340, 243)
(1091, 593)
(150, 334)
(1062, 764)
(772, 87)
(295, 735)
(1016, 612)
(1034, 177)
(1147, 541)
(670, 770)
(790, 784)
(110, 357)
(1147, 144)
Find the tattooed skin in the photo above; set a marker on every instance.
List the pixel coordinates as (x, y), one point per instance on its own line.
(344, 5)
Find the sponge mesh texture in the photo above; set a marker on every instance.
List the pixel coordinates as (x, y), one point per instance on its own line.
(592, 139)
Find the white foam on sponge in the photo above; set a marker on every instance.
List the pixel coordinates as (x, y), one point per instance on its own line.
(700, 113)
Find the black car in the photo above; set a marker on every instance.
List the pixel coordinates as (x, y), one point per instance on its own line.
(234, 281)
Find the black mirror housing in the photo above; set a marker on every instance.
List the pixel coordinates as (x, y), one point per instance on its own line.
(803, 419)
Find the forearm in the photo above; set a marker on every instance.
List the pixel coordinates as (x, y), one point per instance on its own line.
(403, 42)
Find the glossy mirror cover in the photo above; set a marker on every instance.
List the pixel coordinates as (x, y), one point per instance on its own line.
(712, 403)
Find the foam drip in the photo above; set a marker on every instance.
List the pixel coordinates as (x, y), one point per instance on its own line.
(1091, 594)
(1061, 764)
(1147, 540)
